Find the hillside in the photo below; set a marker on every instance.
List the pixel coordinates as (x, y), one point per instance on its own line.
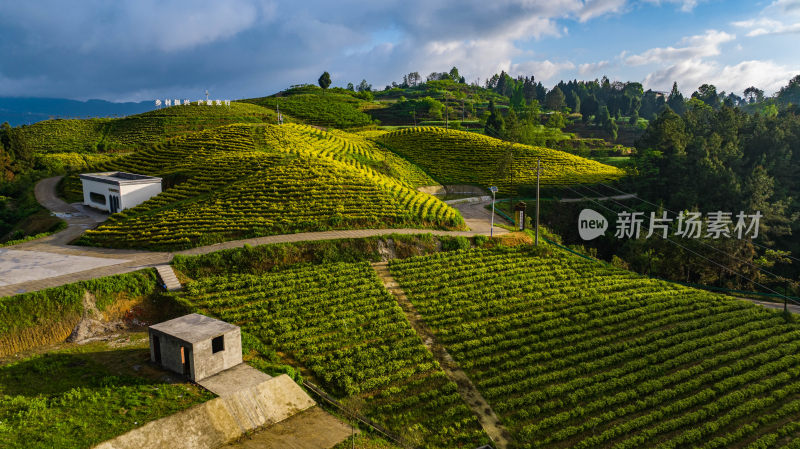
(242, 181)
(571, 353)
(458, 157)
(340, 326)
(313, 106)
(136, 131)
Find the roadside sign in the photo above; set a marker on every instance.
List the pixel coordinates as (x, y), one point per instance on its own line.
(493, 189)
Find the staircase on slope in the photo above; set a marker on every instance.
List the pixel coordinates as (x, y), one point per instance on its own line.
(168, 278)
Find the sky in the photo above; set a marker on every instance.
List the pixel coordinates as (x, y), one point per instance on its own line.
(148, 49)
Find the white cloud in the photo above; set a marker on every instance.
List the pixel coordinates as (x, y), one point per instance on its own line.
(592, 67)
(690, 74)
(685, 5)
(698, 46)
(543, 70)
(779, 17)
(595, 8)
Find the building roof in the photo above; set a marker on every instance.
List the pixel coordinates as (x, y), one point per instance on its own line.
(120, 178)
(194, 328)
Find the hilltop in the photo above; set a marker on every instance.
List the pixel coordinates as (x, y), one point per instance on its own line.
(242, 181)
(459, 157)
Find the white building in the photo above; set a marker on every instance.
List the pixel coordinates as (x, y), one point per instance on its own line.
(115, 191)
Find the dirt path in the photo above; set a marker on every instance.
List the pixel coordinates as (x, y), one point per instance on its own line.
(311, 429)
(486, 416)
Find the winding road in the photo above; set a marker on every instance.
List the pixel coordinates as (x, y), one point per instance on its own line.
(51, 261)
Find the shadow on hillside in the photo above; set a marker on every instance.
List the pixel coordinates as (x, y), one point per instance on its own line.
(57, 373)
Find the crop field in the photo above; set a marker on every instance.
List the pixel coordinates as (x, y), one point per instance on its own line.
(460, 157)
(328, 109)
(136, 131)
(242, 181)
(573, 354)
(338, 323)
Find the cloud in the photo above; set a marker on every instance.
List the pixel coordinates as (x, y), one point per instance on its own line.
(136, 49)
(543, 70)
(596, 8)
(592, 67)
(779, 17)
(685, 5)
(766, 75)
(693, 47)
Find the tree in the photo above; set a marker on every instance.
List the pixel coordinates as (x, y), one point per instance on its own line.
(790, 94)
(707, 93)
(602, 116)
(324, 80)
(556, 120)
(350, 87)
(554, 100)
(495, 127)
(753, 95)
(589, 107)
(454, 74)
(575, 102)
(363, 86)
(676, 102)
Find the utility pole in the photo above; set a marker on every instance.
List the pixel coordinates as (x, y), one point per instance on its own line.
(538, 172)
(445, 114)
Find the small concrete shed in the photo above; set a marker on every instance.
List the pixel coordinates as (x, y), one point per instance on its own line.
(115, 191)
(195, 345)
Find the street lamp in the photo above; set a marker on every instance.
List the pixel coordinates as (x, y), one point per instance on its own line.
(493, 189)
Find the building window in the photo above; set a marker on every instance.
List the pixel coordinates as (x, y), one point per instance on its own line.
(218, 344)
(97, 198)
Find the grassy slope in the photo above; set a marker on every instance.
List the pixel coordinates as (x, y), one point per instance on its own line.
(570, 353)
(312, 106)
(136, 131)
(243, 181)
(48, 316)
(458, 157)
(82, 395)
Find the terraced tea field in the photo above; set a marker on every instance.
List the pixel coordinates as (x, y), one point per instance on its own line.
(136, 131)
(459, 157)
(242, 181)
(572, 354)
(328, 109)
(338, 323)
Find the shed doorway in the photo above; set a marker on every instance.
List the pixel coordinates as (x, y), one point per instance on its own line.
(185, 360)
(157, 349)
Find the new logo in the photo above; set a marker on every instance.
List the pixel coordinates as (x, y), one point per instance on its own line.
(591, 224)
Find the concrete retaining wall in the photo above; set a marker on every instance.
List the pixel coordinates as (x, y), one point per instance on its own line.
(220, 420)
(454, 189)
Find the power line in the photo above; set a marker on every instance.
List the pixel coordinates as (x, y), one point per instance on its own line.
(749, 263)
(695, 253)
(656, 205)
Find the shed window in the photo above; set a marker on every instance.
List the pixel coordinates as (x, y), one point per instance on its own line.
(218, 344)
(97, 198)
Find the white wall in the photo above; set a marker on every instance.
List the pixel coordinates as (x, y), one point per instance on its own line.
(136, 194)
(101, 188)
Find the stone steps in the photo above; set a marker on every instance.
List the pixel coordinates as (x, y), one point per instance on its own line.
(168, 278)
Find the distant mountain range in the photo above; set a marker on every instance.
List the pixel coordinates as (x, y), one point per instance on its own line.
(25, 110)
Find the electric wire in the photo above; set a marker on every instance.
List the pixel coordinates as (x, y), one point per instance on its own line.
(695, 253)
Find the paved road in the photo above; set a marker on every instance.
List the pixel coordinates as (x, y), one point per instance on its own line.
(51, 261)
(627, 196)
